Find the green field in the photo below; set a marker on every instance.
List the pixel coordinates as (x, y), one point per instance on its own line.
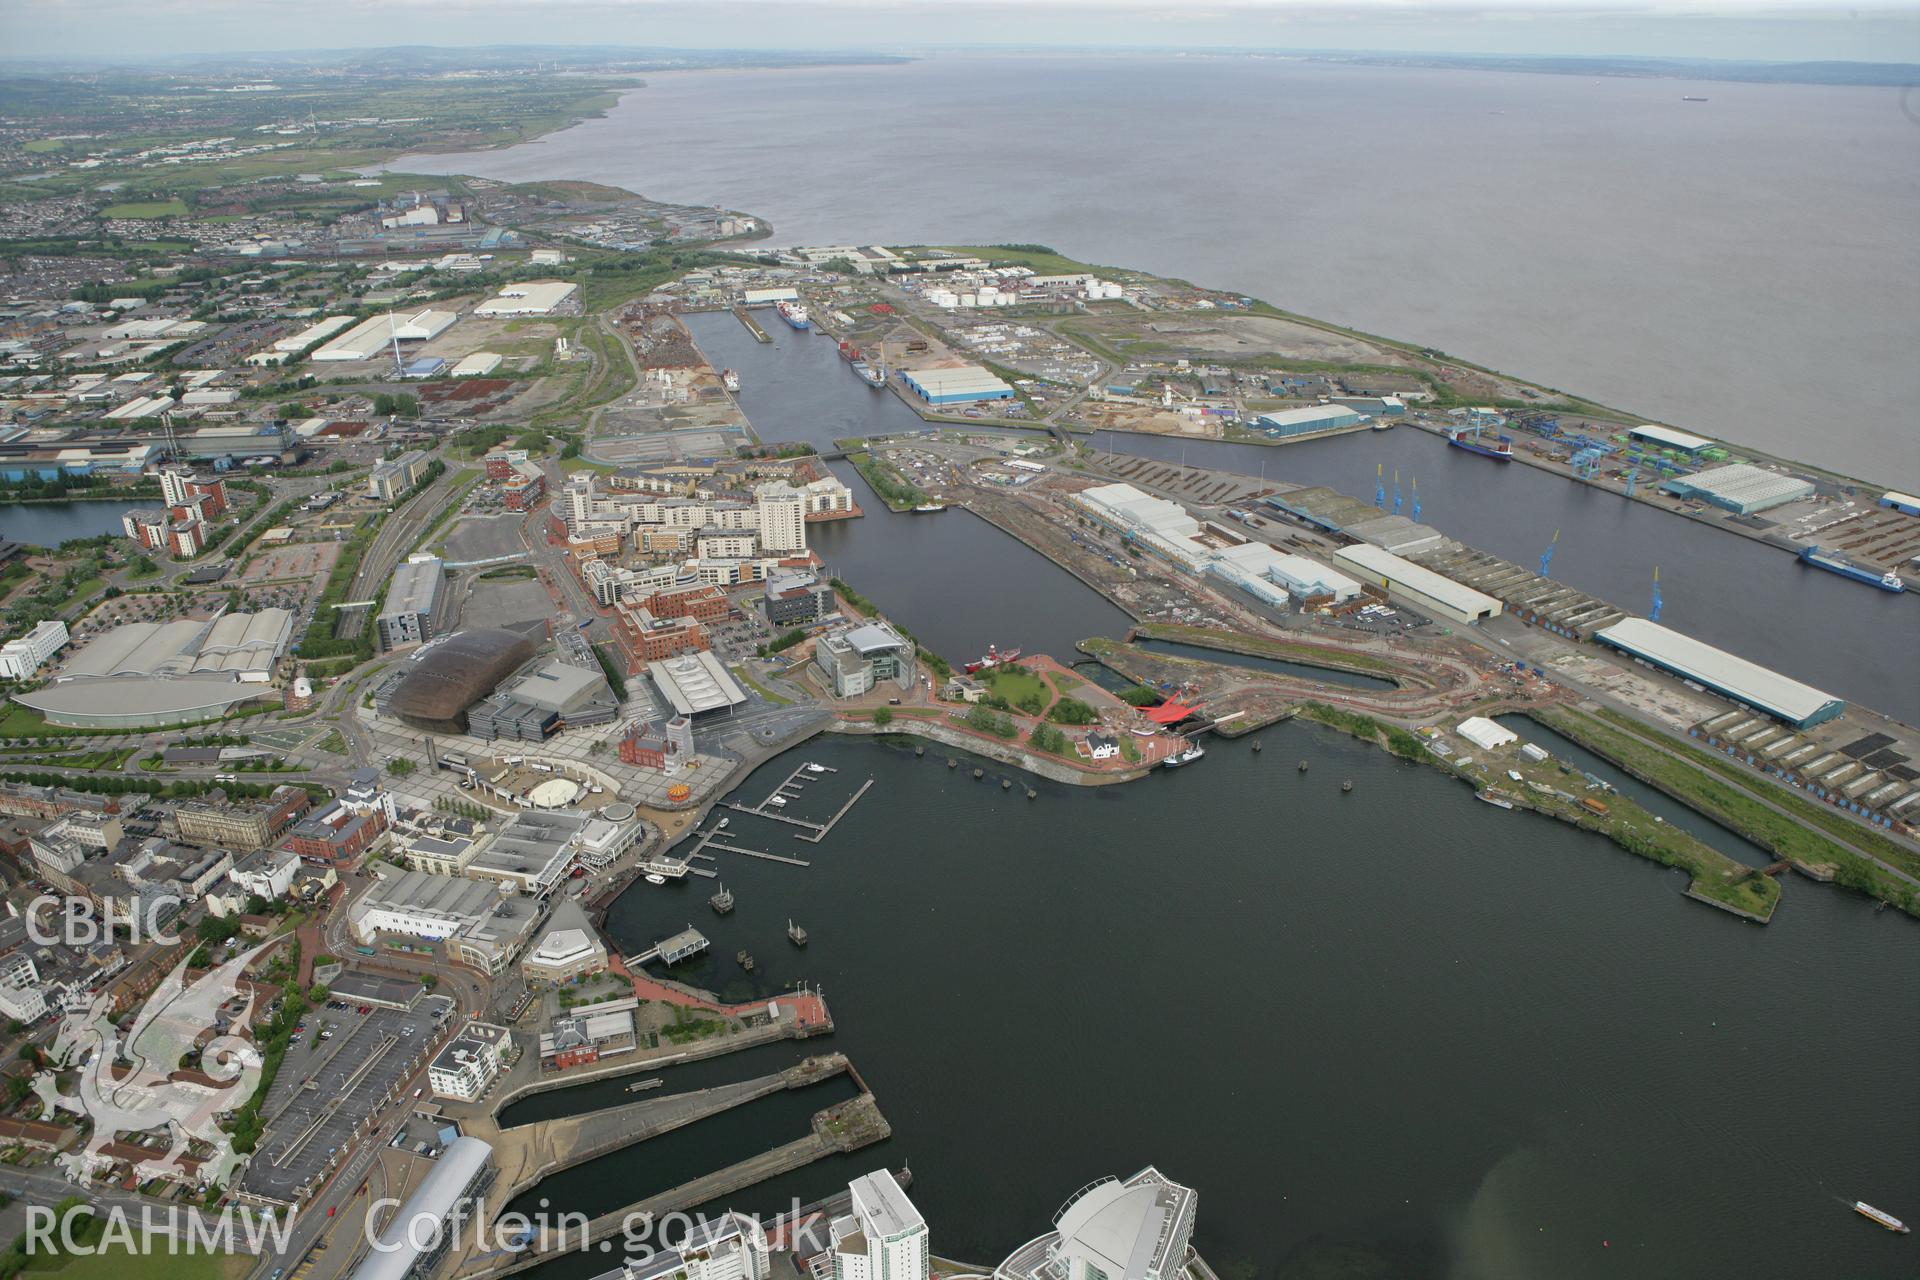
(175, 208)
(1016, 683)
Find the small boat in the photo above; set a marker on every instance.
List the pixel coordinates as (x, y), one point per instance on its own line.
(744, 959)
(1880, 1216)
(1192, 752)
(1497, 801)
(654, 877)
(796, 935)
(1347, 785)
(729, 379)
(1686, 97)
(641, 1086)
(722, 824)
(928, 508)
(721, 902)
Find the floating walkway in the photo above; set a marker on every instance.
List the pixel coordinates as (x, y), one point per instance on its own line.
(793, 786)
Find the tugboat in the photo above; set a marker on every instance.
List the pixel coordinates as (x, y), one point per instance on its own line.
(729, 379)
(1192, 752)
(796, 935)
(744, 959)
(721, 902)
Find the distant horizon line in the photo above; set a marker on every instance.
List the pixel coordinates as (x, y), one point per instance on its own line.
(919, 50)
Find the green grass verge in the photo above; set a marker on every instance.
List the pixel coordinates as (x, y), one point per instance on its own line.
(1864, 839)
(1736, 809)
(1711, 875)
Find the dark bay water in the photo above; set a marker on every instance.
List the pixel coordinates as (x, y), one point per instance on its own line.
(1393, 1033)
(1468, 1042)
(48, 524)
(1742, 266)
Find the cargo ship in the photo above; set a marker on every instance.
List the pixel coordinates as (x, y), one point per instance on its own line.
(872, 375)
(1192, 752)
(1468, 438)
(1880, 1216)
(729, 379)
(793, 313)
(992, 658)
(1834, 562)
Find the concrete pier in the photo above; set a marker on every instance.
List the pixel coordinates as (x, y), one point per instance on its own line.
(845, 1126)
(532, 1152)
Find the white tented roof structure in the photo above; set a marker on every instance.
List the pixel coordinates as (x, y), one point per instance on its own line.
(1725, 673)
(1485, 734)
(696, 682)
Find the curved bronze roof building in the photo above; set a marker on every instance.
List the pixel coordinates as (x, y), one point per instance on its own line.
(453, 675)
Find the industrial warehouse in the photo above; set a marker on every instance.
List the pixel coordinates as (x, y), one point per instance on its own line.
(955, 386)
(1747, 683)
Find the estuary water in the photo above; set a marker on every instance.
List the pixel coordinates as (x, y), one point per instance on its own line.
(1743, 266)
(1748, 598)
(1394, 1034)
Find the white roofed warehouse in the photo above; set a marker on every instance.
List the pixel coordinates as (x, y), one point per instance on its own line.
(531, 298)
(1418, 587)
(1741, 488)
(1731, 676)
(963, 385)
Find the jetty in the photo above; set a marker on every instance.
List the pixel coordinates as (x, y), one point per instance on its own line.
(814, 832)
(753, 326)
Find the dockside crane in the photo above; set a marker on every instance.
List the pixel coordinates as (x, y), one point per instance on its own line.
(1546, 557)
(1653, 614)
(1416, 499)
(1396, 491)
(1380, 485)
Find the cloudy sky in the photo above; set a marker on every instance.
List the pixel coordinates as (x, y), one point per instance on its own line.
(1756, 29)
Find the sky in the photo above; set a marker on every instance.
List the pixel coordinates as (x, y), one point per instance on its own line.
(1788, 30)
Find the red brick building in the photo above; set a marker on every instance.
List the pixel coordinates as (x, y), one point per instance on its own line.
(645, 638)
(704, 602)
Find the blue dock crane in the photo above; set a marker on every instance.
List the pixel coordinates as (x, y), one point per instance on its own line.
(1546, 557)
(1653, 614)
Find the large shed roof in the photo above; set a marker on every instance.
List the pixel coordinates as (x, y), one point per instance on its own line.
(1727, 673)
